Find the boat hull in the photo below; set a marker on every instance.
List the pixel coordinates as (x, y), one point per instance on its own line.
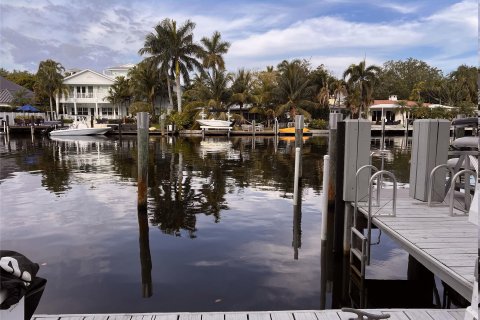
(291, 131)
(214, 123)
(79, 132)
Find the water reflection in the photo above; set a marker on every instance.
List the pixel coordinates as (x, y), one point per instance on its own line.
(72, 206)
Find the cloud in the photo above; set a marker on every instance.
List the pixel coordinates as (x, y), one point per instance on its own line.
(83, 34)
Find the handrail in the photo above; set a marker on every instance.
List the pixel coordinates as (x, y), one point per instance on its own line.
(355, 208)
(394, 203)
(430, 180)
(452, 186)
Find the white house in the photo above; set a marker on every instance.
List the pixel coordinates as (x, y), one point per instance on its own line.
(87, 96)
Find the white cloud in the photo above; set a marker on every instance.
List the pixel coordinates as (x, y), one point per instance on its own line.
(404, 9)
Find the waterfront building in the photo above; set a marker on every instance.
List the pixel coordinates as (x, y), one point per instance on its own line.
(8, 90)
(87, 94)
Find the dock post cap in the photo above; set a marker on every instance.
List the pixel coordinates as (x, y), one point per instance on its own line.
(362, 315)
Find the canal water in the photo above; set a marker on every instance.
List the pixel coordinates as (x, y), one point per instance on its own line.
(220, 233)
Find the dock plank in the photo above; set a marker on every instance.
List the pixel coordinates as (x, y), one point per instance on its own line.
(236, 316)
(309, 315)
(418, 315)
(259, 316)
(396, 315)
(213, 316)
(190, 316)
(166, 316)
(331, 315)
(282, 316)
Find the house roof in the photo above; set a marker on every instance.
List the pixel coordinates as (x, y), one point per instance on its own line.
(409, 102)
(122, 67)
(9, 88)
(78, 74)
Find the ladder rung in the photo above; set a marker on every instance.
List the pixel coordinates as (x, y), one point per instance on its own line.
(357, 253)
(358, 234)
(355, 269)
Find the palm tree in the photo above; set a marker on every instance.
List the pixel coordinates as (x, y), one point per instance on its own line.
(242, 88)
(49, 80)
(293, 90)
(182, 52)
(119, 92)
(364, 78)
(402, 107)
(213, 49)
(211, 90)
(339, 88)
(144, 82)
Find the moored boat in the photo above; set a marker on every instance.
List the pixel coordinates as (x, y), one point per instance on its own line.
(79, 128)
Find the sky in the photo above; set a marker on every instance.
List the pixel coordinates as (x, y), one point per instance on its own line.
(97, 34)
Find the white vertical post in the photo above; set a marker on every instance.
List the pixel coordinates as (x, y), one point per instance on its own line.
(326, 169)
(296, 177)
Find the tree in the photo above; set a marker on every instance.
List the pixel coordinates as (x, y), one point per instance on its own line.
(213, 50)
(22, 78)
(140, 106)
(362, 78)
(175, 47)
(49, 80)
(144, 82)
(242, 88)
(293, 91)
(402, 107)
(119, 92)
(400, 77)
(210, 90)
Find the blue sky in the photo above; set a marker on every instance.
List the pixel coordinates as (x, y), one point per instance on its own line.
(335, 33)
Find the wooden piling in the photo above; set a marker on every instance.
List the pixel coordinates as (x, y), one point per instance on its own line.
(142, 160)
(253, 129)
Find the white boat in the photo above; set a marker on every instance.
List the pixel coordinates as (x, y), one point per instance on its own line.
(214, 123)
(79, 128)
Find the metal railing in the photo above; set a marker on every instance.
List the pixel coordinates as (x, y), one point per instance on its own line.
(394, 204)
(452, 187)
(430, 180)
(355, 208)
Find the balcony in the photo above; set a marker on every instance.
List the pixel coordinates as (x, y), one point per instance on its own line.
(88, 97)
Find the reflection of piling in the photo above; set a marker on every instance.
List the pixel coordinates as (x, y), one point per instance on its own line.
(162, 124)
(326, 165)
(297, 228)
(8, 127)
(323, 275)
(299, 137)
(339, 215)
(145, 258)
(296, 176)
(142, 142)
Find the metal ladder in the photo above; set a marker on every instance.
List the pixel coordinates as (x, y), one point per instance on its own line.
(359, 243)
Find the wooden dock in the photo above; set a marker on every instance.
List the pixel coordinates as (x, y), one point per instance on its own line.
(395, 314)
(447, 246)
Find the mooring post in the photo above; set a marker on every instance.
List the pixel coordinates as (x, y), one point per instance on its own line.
(326, 165)
(142, 142)
(253, 128)
(162, 124)
(91, 121)
(297, 227)
(299, 125)
(61, 121)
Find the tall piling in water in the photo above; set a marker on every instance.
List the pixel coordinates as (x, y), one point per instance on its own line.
(299, 125)
(339, 215)
(142, 160)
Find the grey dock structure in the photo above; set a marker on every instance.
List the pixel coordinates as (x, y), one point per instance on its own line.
(395, 314)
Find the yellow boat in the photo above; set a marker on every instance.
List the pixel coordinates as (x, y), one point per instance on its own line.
(291, 131)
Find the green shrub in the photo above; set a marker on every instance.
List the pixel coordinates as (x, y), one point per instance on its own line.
(318, 124)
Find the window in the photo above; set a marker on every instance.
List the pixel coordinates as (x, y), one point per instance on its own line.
(107, 111)
(376, 116)
(82, 111)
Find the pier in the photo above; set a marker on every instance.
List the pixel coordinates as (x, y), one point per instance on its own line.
(444, 244)
(395, 314)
